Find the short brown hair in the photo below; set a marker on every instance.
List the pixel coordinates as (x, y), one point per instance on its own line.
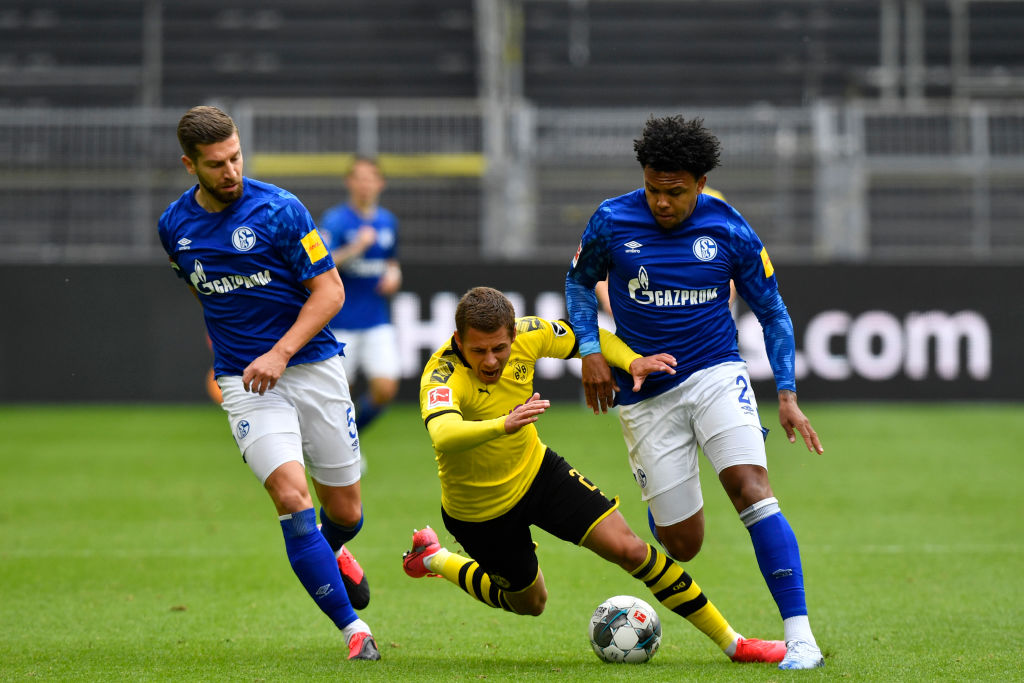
(484, 309)
(203, 126)
(363, 159)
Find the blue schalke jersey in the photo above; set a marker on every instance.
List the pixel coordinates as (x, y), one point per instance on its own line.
(364, 306)
(247, 264)
(669, 289)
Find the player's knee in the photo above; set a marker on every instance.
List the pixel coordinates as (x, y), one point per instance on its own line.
(683, 548)
(530, 602)
(537, 603)
(746, 485)
(344, 512)
(290, 499)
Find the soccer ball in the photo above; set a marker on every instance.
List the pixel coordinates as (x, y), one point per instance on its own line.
(625, 629)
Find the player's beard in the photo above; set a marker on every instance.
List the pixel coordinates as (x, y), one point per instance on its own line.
(222, 196)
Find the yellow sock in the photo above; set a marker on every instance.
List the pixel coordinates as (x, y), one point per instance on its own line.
(676, 590)
(467, 575)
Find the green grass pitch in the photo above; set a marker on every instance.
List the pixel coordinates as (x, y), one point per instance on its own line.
(135, 545)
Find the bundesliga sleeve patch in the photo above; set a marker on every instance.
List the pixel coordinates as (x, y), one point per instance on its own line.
(769, 270)
(439, 396)
(314, 246)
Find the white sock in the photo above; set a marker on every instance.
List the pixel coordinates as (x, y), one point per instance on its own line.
(428, 560)
(357, 626)
(799, 628)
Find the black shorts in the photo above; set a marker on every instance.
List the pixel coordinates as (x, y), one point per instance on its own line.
(560, 501)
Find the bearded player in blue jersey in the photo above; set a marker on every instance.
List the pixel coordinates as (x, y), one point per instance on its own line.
(268, 287)
(669, 252)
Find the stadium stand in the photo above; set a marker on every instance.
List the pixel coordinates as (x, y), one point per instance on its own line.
(574, 53)
(91, 53)
(64, 53)
(321, 48)
(721, 53)
(94, 85)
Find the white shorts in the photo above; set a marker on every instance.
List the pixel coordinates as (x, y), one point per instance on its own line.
(663, 433)
(373, 351)
(310, 400)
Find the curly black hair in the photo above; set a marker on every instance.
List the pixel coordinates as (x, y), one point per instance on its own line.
(674, 144)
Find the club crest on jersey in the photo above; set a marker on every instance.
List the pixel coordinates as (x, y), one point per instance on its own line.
(641, 477)
(439, 396)
(242, 429)
(705, 249)
(520, 371)
(243, 238)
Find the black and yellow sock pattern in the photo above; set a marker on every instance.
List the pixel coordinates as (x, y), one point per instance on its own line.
(677, 591)
(467, 575)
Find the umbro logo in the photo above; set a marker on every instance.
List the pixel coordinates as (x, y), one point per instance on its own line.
(632, 247)
(184, 242)
(324, 590)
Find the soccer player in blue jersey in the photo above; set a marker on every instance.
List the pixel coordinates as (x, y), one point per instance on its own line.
(669, 252)
(363, 239)
(268, 286)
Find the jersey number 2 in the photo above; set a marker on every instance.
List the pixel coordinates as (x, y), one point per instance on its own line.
(742, 381)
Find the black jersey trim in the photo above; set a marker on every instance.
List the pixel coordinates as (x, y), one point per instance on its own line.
(439, 413)
(575, 341)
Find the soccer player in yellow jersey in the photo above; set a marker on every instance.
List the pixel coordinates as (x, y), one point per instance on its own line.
(498, 479)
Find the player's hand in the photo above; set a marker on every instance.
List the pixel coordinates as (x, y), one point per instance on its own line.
(598, 386)
(641, 367)
(793, 420)
(262, 374)
(526, 413)
(390, 280)
(366, 237)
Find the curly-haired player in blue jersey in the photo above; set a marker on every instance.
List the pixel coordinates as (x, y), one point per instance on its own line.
(669, 252)
(268, 286)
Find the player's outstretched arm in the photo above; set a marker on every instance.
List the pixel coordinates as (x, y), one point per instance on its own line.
(641, 367)
(526, 413)
(793, 420)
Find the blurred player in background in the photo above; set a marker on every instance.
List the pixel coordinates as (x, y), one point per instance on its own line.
(498, 478)
(669, 252)
(252, 256)
(363, 239)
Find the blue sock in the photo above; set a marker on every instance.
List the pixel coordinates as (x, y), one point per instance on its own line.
(336, 534)
(778, 557)
(367, 411)
(314, 563)
(654, 527)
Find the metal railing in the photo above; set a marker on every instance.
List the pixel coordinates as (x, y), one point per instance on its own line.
(823, 183)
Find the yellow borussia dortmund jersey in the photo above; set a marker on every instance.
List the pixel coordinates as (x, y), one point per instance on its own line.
(486, 471)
